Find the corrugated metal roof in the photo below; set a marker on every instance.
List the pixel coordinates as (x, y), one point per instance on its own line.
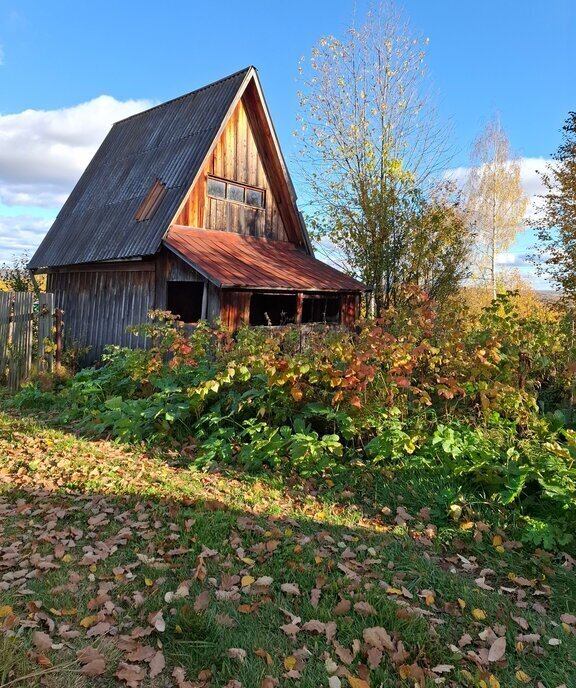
(168, 142)
(236, 261)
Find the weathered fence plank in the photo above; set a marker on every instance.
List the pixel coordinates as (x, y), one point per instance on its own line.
(5, 320)
(45, 332)
(27, 335)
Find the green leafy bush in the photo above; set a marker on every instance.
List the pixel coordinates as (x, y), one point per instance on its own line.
(469, 397)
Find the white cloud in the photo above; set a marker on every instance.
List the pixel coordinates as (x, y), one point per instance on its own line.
(20, 233)
(44, 152)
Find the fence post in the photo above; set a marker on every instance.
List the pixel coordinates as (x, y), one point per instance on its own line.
(46, 342)
(5, 316)
(58, 323)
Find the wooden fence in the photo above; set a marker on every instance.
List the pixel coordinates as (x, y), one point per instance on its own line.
(30, 336)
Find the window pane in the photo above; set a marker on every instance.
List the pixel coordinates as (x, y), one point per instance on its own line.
(254, 198)
(235, 193)
(216, 188)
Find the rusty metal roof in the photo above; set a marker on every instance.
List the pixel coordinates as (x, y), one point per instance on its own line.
(167, 143)
(232, 260)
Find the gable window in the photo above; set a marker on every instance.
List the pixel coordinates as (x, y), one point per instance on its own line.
(235, 192)
(216, 188)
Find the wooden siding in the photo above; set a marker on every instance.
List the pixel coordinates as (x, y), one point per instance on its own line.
(99, 305)
(235, 310)
(350, 309)
(235, 157)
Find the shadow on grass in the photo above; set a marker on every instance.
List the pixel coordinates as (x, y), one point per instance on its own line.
(93, 533)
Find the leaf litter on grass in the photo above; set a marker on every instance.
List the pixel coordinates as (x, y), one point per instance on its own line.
(188, 584)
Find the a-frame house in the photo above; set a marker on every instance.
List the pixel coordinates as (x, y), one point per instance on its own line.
(189, 207)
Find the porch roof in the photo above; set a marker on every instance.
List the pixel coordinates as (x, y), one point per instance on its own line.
(232, 260)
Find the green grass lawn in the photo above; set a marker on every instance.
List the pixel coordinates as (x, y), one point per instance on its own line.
(119, 567)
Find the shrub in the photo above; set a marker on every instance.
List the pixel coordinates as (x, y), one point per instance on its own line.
(486, 399)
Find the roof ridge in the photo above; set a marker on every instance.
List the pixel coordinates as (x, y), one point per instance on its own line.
(186, 95)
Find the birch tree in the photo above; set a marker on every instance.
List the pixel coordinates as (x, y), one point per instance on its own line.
(370, 145)
(495, 200)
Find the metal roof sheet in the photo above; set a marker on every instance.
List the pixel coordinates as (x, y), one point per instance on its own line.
(168, 142)
(233, 260)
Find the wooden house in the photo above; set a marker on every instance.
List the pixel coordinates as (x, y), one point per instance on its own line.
(189, 207)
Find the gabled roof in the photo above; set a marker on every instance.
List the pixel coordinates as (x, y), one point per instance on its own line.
(232, 260)
(166, 144)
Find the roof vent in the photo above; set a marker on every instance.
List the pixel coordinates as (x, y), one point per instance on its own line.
(151, 202)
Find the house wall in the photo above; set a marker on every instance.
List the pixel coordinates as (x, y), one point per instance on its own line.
(101, 302)
(236, 158)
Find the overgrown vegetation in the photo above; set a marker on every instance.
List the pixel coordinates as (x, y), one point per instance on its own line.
(484, 400)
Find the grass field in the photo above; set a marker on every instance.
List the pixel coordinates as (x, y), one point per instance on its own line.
(119, 567)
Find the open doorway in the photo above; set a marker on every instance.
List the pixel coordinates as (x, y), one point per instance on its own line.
(185, 299)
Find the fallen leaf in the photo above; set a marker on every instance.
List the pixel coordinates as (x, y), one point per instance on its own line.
(497, 650)
(237, 653)
(378, 637)
(266, 656)
(443, 668)
(131, 673)
(343, 607)
(522, 676)
(42, 641)
(364, 608)
(357, 682)
(157, 664)
(202, 601)
(290, 589)
(479, 614)
(99, 629)
(374, 657)
(157, 620)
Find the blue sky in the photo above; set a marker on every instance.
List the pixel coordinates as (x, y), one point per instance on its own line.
(511, 56)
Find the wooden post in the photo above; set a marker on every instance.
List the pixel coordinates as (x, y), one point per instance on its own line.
(299, 302)
(58, 322)
(204, 302)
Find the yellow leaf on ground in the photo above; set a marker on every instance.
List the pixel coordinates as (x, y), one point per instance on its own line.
(461, 603)
(5, 611)
(357, 682)
(497, 540)
(290, 662)
(88, 621)
(479, 614)
(247, 580)
(522, 676)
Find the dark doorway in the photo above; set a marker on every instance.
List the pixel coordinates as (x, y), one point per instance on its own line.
(185, 299)
(321, 309)
(272, 309)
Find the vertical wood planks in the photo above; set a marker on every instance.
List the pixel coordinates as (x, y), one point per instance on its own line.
(45, 332)
(235, 157)
(19, 345)
(5, 322)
